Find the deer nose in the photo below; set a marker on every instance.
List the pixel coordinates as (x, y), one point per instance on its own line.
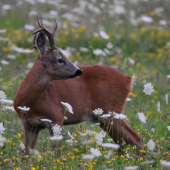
(78, 73)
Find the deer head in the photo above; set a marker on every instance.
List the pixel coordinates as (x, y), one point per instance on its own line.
(52, 59)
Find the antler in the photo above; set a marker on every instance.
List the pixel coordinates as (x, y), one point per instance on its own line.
(47, 32)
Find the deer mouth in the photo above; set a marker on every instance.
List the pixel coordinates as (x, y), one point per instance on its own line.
(77, 74)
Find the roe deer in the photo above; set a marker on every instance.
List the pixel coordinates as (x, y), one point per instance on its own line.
(50, 82)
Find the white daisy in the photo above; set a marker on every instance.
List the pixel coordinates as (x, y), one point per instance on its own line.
(109, 45)
(151, 145)
(65, 118)
(98, 139)
(56, 137)
(109, 154)
(84, 49)
(165, 163)
(2, 128)
(87, 133)
(134, 78)
(110, 145)
(71, 141)
(153, 130)
(147, 162)
(21, 145)
(2, 140)
(99, 52)
(96, 152)
(105, 116)
(68, 107)
(9, 108)
(131, 167)
(24, 109)
(128, 99)
(4, 62)
(29, 27)
(146, 19)
(131, 61)
(5, 101)
(110, 140)
(120, 116)
(34, 152)
(103, 134)
(2, 95)
(88, 156)
(98, 111)
(168, 128)
(56, 129)
(166, 98)
(46, 120)
(86, 142)
(142, 117)
(148, 89)
(104, 35)
(162, 22)
(158, 106)
(2, 30)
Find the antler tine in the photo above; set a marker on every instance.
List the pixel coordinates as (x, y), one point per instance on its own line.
(49, 34)
(39, 22)
(55, 27)
(46, 31)
(37, 31)
(42, 26)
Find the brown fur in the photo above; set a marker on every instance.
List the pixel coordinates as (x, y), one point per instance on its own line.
(99, 87)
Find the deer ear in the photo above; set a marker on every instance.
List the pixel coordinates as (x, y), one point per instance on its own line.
(40, 42)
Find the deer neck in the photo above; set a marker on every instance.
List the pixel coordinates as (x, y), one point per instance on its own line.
(32, 86)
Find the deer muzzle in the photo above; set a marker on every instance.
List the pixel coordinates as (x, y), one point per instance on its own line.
(77, 73)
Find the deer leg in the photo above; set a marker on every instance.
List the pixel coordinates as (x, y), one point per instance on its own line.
(34, 138)
(59, 143)
(49, 127)
(31, 137)
(119, 130)
(26, 143)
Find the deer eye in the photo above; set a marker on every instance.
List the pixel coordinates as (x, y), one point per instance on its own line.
(60, 60)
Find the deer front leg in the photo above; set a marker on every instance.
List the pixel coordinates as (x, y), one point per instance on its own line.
(53, 144)
(31, 137)
(119, 130)
(58, 121)
(26, 143)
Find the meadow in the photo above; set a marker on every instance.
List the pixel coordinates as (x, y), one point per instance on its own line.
(136, 44)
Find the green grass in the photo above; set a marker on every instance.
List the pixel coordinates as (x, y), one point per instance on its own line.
(147, 47)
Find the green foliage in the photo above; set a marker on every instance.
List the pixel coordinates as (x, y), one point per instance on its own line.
(146, 46)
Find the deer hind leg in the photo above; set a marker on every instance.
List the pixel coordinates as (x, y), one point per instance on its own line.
(120, 131)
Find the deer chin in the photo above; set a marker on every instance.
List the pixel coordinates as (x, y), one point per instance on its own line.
(73, 77)
(77, 74)
(70, 77)
(66, 78)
